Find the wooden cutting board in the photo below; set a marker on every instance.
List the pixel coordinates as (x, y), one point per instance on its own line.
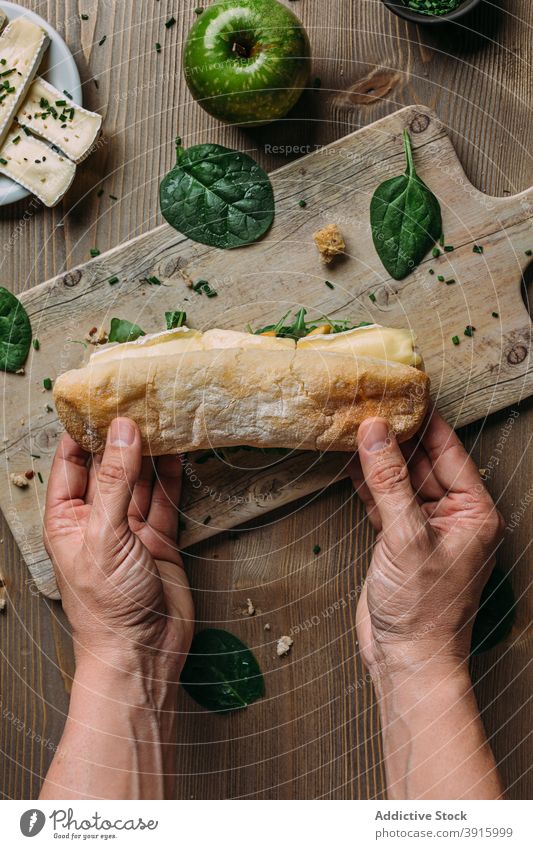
(259, 283)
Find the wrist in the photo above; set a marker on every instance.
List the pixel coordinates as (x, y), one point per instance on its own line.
(134, 679)
(415, 677)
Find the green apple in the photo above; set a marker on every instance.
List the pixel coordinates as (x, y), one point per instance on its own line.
(247, 61)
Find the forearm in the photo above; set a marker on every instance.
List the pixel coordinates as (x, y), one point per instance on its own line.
(433, 738)
(117, 741)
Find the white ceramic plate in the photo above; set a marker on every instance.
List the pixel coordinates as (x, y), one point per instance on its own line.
(58, 68)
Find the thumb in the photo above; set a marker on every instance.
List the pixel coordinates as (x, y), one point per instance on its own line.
(386, 474)
(117, 475)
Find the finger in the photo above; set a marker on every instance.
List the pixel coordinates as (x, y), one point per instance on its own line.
(359, 484)
(386, 474)
(68, 477)
(163, 514)
(94, 465)
(452, 465)
(142, 494)
(116, 477)
(423, 480)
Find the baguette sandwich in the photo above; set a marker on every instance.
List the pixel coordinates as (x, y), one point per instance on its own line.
(190, 390)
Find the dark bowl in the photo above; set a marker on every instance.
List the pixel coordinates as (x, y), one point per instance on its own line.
(402, 11)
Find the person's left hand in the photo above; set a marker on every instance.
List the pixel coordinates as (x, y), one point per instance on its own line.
(110, 529)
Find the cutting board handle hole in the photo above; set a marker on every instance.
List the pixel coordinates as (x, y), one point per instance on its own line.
(526, 289)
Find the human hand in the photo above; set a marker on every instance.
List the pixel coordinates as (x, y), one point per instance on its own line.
(438, 530)
(110, 530)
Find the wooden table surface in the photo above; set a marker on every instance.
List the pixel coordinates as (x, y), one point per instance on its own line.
(316, 734)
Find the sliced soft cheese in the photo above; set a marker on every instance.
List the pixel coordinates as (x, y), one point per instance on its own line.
(184, 339)
(383, 343)
(22, 45)
(52, 115)
(36, 166)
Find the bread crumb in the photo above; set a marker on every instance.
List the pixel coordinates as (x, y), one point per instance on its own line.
(330, 242)
(97, 336)
(19, 480)
(21, 370)
(267, 627)
(250, 609)
(284, 646)
(3, 596)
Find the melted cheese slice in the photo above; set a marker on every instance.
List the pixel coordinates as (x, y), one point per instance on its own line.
(22, 46)
(383, 343)
(36, 166)
(75, 135)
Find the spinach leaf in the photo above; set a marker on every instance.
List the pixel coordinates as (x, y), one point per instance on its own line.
(221, 673)
(122, 330)
(405, 218)
(15, 332)
(299, 327)
(496, 613)
(176, 318)
(217, 196)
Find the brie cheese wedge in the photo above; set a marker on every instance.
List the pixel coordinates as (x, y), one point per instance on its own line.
(22, 45)
(36, 166)
(53, 116)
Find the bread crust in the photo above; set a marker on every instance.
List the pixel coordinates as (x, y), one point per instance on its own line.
(300, 399)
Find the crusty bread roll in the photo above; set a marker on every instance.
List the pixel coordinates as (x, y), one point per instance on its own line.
(188, 390)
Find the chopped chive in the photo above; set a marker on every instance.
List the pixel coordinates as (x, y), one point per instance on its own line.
(112, 281)
(435, 252)
(206, 520)
(39, 475)
(329, 285)
(61, 102)
(495, 314)
(49, 409)
(317, 82)
(47, 383)
(102, 40)
(198, 10)
(302, 203)
(3, 61)
(441, 240)
(316, 549)
(36, 344)
(529, 252)
(7, 73)
(113, 197)
(154, 281)
(94, 252)
(450, 281)
(449, 248)
(431, 271)
(84, 17)
(35, 456)
(170, 22)
(469, 330)
(67, 93)
(99, 193)
(3, 161)
(477, 249)
(440, 278)
(372, 297)
(16, 140)
(455, 340)
(26, 131)
(157, 47)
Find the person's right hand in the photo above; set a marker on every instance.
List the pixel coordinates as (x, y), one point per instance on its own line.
(438, 530)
